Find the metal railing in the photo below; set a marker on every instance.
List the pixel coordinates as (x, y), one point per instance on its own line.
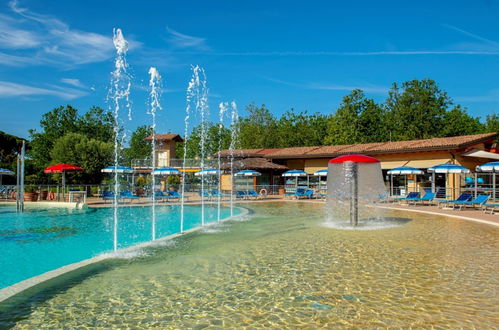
(174, 162)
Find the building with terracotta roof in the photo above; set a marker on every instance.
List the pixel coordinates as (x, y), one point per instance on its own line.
(468, 151)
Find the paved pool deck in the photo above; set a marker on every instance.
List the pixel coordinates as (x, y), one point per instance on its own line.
(467, 214)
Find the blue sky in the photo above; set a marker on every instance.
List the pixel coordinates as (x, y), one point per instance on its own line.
(304, 55)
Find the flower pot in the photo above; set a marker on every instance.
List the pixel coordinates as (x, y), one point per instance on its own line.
(43, 194)
(30, 197)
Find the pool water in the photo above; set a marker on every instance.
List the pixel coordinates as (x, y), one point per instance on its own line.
(284, 268)
(41, 240)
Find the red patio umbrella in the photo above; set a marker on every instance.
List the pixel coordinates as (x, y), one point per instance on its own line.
(62, 168)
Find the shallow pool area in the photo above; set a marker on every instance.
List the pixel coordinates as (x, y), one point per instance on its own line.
(41, 240)
(284, 268)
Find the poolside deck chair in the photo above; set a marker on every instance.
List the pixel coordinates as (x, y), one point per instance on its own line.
(217, 193)
(252, 194)
(426, 199)
(304, 193)
(240, 194)
(490, 207)
(408, 197)
(108, 195)
(173, 194)
(160, 196)
(474, 203)
(205, 194)
(127, 194)
(462, 198)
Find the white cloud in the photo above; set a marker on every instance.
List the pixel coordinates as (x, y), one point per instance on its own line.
(10, 89)
(180, 40)
(47, 40)
(369, 88)
(73, 82)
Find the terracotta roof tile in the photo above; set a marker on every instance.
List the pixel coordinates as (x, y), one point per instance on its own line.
(166, 137)
(455, 142)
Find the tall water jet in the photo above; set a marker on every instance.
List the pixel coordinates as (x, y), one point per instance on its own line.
(119, 93)
(222, 109)
(349, 203)
(191, 92)
(203, 111)
(234, 131)
(154, 104)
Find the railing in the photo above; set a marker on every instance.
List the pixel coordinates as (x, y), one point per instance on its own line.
(174, 162)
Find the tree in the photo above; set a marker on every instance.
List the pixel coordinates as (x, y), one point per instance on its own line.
(417, 109)
(357, 120)
(300, 129)
(491, 123)
(214, 135)
(95, 124)
(257, 129)
(90, 154)
(139, 148)
(458, 122)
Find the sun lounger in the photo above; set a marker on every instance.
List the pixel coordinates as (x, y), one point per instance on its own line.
(426, 199)
(477, 202)
(108, 195)
(173, 194)
(410, 196)
(160, 196)
(304, 193)
(252, 194)
(126, 194)
(205, 194)
(241, 194)
(217, 193)
(490, 207)
(462, 198)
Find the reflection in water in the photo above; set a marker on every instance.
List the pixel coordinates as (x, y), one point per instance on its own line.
(284, 269)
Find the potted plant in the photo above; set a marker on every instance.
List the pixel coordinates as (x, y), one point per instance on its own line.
(30, 193)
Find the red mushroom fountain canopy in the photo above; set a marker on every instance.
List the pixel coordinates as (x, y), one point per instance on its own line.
(355, 158)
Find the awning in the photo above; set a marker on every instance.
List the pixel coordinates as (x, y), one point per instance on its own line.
(481, 154)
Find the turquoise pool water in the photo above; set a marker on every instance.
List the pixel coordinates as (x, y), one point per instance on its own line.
(41, 240)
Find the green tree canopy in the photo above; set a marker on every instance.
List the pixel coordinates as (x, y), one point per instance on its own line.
(96, 124)
(416, 109)
(139, 148)
(90, 154)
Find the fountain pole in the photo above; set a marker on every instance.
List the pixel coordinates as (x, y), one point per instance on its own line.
(354, 193)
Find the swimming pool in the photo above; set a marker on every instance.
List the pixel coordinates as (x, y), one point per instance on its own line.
(285, 268)
(41, 240)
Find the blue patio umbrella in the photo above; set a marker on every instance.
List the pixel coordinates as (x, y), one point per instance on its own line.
(296, 174)
(166, 171)
(117, 169)
(404, 170)
(247, 173)
(446, 169)
(4, 171)
(207, 171)
(320, 173)
(491, 167)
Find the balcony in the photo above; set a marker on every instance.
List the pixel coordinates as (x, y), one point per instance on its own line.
(175, 162)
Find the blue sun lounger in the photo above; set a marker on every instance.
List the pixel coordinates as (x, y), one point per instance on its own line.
(127, 194)
(490, 207)
(427, 198)
(462, 198)
(173, 194)
(160, 196)
(410, 196)
(108, 195)
(241, 194)
(477, 202)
